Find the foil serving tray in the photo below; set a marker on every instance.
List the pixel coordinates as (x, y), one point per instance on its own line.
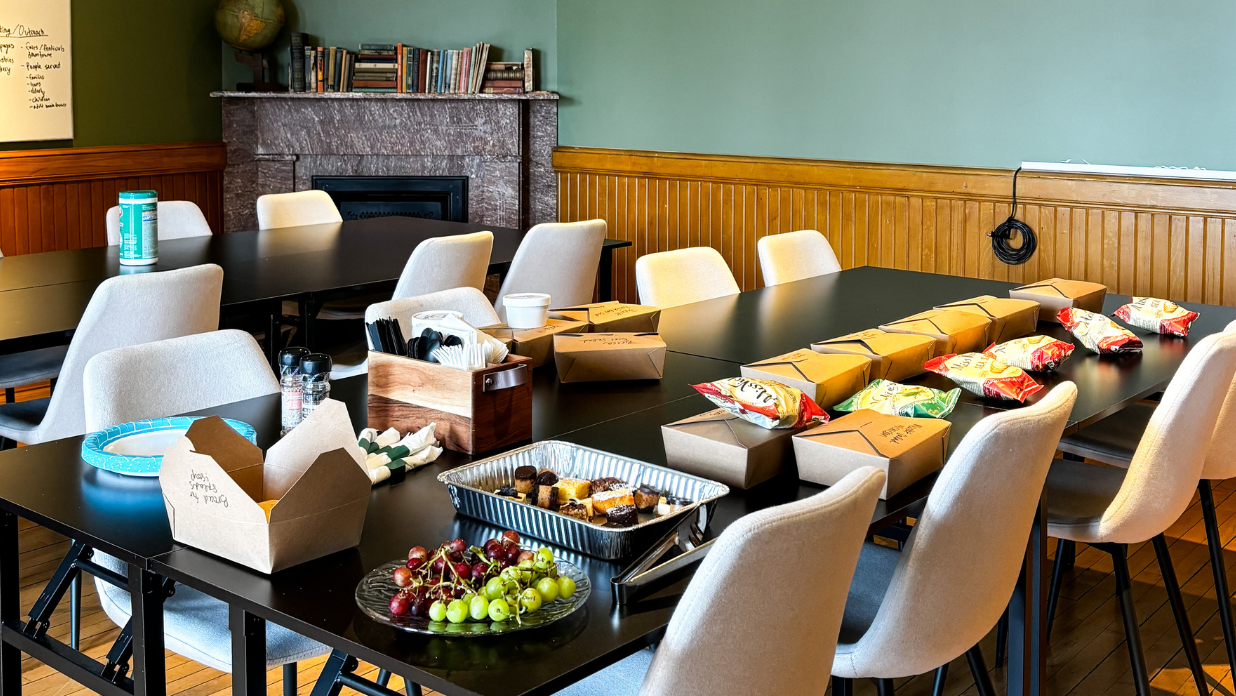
(472, 489)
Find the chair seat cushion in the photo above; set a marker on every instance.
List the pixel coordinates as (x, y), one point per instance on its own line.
(196, 625)
(1112, 440)
(871, 579)
(623, 678)
(31, 367)
(18, 420)
(1078, 495)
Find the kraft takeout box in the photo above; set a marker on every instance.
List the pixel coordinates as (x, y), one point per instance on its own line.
(534, 344)
(955, 332)
(612, 317)
(213, 480)
(1055, 294)
(1009, 318)
(894, 356)
(906, 449)
(827, 379)
(723, 447)
(600, 357)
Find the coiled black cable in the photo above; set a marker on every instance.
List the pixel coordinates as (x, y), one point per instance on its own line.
(1002, 236)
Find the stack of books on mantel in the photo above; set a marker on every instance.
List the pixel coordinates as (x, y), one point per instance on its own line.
(405, 69)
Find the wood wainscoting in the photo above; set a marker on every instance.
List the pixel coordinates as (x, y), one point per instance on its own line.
(57, 199)
(1161, 237)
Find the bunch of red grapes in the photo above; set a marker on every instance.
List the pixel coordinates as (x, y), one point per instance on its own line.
(452, 571)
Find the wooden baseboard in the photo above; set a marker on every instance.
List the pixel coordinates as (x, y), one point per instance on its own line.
(1174, 239)
(58, 198)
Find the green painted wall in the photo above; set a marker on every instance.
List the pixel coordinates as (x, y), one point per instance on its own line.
(510, 25)
(142, 73)
(965, 82)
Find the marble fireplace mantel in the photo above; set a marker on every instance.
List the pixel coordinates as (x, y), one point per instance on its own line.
(277, 142)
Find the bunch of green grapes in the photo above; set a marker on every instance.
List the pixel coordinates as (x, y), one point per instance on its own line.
(517, 590)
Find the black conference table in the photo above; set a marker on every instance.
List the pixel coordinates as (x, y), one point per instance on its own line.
(708, 341)
(43, 296)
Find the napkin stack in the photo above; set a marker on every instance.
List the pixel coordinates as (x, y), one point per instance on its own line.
(387, 452)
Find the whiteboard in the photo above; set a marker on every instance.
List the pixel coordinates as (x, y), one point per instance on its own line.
(36, 71)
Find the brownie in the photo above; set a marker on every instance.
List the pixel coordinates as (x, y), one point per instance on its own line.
(622, 516)
(579, 512)
(525, 479)
(608, 483)
(646, 498)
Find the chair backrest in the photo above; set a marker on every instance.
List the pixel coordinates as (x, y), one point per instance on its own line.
(442, 263)
(1167, 465)
(124, 311)
(792, 256)
(471, 302)
(683, 276)
(174, 376)
(294, 209)
(559, 259)
(978, 515)
(177, 219)
(762, 614)
(1221, 459)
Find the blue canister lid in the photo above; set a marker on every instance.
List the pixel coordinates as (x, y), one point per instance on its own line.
(138, 195)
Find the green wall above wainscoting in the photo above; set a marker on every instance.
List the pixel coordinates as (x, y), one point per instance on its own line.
(143, 71)
(510, 25)
(958, 82)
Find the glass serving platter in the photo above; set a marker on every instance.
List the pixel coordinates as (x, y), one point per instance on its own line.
(373, 596)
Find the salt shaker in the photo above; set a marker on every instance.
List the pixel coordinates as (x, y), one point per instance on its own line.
(315, 382)
(290, 387)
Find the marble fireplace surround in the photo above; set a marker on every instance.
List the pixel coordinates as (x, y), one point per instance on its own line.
(277, 142)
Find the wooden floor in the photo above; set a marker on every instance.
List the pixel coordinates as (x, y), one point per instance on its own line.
(1087, 656)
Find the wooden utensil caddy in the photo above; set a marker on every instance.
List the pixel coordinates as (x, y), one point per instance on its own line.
(474, 411)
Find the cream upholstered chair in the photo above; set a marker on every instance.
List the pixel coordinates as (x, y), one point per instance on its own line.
(1110, 507)
(295, 209)
(173, 376)
(911, 611)
(30, 367)
(442, 263)
(177, 219)
(124, 311)
(1125, 506)
(559, 259)
(785, 258)
(166, 378)
(683, 276)
(735, 631)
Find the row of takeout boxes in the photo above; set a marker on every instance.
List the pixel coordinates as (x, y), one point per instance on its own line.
(309, 495)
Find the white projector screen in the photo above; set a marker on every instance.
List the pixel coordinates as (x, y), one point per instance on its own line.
(36, 71)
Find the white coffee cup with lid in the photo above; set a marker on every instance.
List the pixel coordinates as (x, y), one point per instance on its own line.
(526, 310)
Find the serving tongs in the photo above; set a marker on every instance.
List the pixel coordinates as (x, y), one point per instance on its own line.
(647, 573)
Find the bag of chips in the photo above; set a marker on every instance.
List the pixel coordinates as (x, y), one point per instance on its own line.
(1153, 314)
(765, 403)
(895, 399)
(980, 374)
(1098, 333)
(1034, 353)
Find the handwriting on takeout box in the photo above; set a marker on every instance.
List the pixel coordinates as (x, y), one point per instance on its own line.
(203, 491)
(898, 433)
(610, 341)
(620, 310)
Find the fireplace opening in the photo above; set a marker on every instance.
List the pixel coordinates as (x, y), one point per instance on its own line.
(427, 197)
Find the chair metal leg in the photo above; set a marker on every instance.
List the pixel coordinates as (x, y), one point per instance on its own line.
(884, 687)
(384, 677)
(1132, 631)
(843, 686)
(978, 668)
(1063, 547)
(75, 612)
(1002, 639)
(411, 689)
(289, 679)
(1217, 568)
(937, 683)
(1181, 613)
(10, 395)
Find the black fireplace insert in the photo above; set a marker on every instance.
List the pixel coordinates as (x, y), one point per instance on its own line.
(427, 197)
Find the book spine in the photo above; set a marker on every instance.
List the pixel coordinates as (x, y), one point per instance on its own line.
(351, 59)
(399, 67)
(422, 70)
(338, 70)
(505, 83)
(297, 62)
(502, 90)
(505, 75)
(528, 82)
(317, 67)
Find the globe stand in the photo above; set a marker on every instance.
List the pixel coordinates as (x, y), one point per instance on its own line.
(257, 61)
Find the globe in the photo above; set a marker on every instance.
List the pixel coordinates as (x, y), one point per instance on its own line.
(249, 25)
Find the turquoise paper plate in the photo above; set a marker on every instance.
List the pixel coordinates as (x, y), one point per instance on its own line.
(96, 445)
